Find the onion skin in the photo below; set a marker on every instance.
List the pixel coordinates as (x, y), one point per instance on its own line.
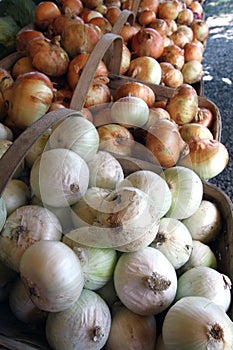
(204, 117)
(135, 89)
(183, 105)
(146, 69)
(171, 76)
(190, 130)
(173, 54)
(45, 13)
(192, 72)
(25, 36)
(62, 21)
(168, 9)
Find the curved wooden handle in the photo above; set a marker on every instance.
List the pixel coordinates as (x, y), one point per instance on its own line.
(124, 17)
(109, 43)
(18, 150)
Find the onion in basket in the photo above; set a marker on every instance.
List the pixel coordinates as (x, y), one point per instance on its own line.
(145, 281)
(59, 177)
(84, 325)
(52, 274)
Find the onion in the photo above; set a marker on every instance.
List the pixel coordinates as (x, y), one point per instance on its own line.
(52, 274)
(148, 5)
(204, 116)
(130, 111)
(97, 264)
(145, 17)
(145, 281)
(169, 9)
(192, 52)
(164, 141)
(6, 133)
(186, 189)
(197, 322)
(153, 184)
(62, 21)
(23, 65)
(190, 130)
(98, 93)
(160, 25)
(77, 134)
(205, 282)
(200, 29)
(79, 38)
(207, 158)
(196, 8)
(173, 54)
(28, 99)
(186, 30)
(125, 61)
(127, 32)
(136, 89)
(146, 69)
(86, 324)
(23, 227)
(3, 212)
(192, 72)
(44, 14)
(141, 333)
(202, 255)
(147, 42)
(183, 105)
(112, 14)
(85, 210)
(72, 6)
(105, 171)
(15, 195)
(101, 22)
(171, 76)
(22, 306)
(56, 185)
(206, 223)
(37, 148)
(23, 37)
(185, 17)
(48, 56)
(179, 38)
(174, 241)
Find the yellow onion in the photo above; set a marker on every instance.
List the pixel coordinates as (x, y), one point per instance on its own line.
(190, 130)
(185, 17)
(200, 29)
(183, 105)
(173, 54)
(192, 72)
(28, 99)
(171, 76)
(207, 158)
(169, 9)
(147, 42)
(145, 68)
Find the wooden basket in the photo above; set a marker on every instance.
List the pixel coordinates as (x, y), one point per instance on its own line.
(14, 335)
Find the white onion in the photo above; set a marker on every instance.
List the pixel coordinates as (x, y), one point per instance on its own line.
(37, 148)
(174, 241)
(105, 171)
(84, 325)
(131, 331)
(152, 184)
(205, 282)
(15, 195)
(6, 133)
(130, 111)
(145, 281)
(77, 134)
(3, 212)
(22, 306)
(197, 323)
(187, 191)
(206, 223)
(23, 227)
(59, 177)
(52, 274)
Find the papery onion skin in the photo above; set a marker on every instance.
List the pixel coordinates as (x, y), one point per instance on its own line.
(3, 212)
(147, 42)
(145, 281)
(190, 130)
(173, 54)
(15, 195)
(45, 13)
(196, 322)
(192, 71)
(141, 333)
(207, 158)
(52, 274)
(86, 324)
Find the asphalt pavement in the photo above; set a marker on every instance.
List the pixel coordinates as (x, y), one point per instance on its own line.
(218, 77)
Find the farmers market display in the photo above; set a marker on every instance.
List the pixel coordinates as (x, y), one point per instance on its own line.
(111, 236)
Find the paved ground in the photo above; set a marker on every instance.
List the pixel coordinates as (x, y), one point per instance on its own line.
(218, 77)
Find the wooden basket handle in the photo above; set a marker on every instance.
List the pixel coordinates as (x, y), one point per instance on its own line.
(124, 17)
(110, 44)
(18, 150)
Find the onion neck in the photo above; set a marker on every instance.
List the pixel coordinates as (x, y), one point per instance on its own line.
(157, 282)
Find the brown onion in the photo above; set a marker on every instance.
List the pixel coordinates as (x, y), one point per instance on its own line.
(204, 116)
(64, 20)
(91, 4)
(21, 66)
(75, 7)
(190, 130)
(192, 52)
(63, 96)
(183, 105)
(208, 158)
(179, 38)
(136, 89)
(165, 143)
(112, 14)
(171, 76)
(173, 54)
(76, 67)
(147, 42)
(171, 25)
(97, 94)
(185, 16)
(197, 9)
(160, 25)
(186, 30)
(128, 31)
(24, 36)
(169, 9)
(45, 13)
(79, 38)
(101, 22)
(152, 5)
(200, 30)
(145, 17)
